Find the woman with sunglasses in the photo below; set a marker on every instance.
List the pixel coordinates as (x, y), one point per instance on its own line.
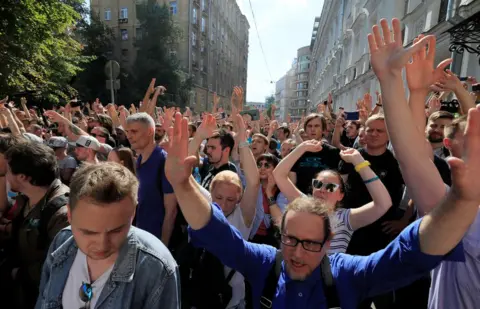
(270, 203)
(328, 186)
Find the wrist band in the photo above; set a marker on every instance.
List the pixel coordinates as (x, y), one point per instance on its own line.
(361, 166)
(243, 144)
(379, 105)
(371, 180)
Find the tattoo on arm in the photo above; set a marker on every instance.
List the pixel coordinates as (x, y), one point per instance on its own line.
(75, 130)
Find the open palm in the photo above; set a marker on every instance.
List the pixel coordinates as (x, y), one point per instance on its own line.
(178, 166)
(420, 71)
(387, 55)
(465, 171)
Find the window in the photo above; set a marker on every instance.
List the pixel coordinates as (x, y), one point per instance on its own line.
(203, 5)
(194, 21)
(173, 7)
(124, 34)
(203, 24)
(108, 14)
(123, 13)
(139, 34)
(194, 39)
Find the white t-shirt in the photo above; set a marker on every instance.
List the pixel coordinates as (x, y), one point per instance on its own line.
(342, 231)
(237, 283)
(77, 276)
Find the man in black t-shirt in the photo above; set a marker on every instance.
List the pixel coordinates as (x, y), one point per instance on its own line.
(371, 238)
(312, 163)
(218, 150)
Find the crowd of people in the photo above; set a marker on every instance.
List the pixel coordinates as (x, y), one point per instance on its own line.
(146, 207)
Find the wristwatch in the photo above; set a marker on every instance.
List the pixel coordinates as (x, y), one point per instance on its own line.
(272, 201)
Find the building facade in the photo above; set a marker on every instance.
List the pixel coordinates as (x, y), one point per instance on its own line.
(213, 48)
(299, 103)
(261, 106)
(339, 47)
(285, 91)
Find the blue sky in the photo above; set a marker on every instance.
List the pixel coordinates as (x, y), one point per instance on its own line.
(284, 26)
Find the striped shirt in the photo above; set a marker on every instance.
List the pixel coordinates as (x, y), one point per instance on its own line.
(342, 231)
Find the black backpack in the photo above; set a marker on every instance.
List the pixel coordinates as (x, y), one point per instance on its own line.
(329, 289)
(203, 281)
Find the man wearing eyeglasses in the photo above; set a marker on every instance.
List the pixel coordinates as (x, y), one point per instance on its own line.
(306, 237)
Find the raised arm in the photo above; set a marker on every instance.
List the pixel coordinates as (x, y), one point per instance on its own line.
(388, 58)
(250, 170)
(208, 226)
(381, 200)
(281, 172)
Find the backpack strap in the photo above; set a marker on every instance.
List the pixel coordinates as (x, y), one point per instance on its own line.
(270, 286)
(230, 275)
(47, 213)
(329, 288)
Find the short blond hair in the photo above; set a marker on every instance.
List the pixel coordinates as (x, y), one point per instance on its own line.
(227, 177)
(103, 183)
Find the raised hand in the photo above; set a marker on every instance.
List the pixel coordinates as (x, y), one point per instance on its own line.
(208, 127)
(387, 55)
(54, 116)
(367, 102)
(465, 171)
(449, 82)
(179, 166)
(434, 105)
(311, 146)
(352, 156)
(420, 71)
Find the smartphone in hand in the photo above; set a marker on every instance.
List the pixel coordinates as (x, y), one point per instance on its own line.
(351, 115)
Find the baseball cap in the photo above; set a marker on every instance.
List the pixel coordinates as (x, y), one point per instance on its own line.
(57, 142)
(32, 138)
(88, 141)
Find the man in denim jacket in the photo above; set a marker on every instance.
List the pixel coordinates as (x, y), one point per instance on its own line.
(101, 261)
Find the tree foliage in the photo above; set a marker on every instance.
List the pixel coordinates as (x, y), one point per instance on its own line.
(269, 101)
(158, 38)
(38, 50)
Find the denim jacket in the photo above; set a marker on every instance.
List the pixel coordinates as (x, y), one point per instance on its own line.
(145, 275)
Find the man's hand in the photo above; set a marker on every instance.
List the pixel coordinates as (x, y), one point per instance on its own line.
(351, 156)
(178, 166)
(387, 56)
(420, 72)
(207, 127)
(465, 171)
(449, 82)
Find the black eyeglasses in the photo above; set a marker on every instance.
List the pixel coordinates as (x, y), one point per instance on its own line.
(330, 187)
(263, 164)
(309, 245)
(86, 294)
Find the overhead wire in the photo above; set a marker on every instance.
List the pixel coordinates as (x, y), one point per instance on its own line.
(260, 42)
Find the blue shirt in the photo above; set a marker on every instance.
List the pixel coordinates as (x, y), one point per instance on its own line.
(356, 277)
(151, 211)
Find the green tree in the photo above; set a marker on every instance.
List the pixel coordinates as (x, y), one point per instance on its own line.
(158, 38)
(97, 40)
(269, 101)
(38, 49)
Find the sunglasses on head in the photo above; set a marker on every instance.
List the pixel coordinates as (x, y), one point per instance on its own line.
(86, 294)
(264, 164)
(329, 187)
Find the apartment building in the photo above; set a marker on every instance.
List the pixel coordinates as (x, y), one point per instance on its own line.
(299, 103)
(339, 47)
(285, 93)
(213, 48)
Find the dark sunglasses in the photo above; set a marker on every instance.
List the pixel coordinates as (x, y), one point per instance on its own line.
(264, 164)
(330, 187)
(309, 245)
(86, 294)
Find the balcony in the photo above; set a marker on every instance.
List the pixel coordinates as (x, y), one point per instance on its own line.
(123, 20)
(204, 69)
(195, 65)
(196, 2)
